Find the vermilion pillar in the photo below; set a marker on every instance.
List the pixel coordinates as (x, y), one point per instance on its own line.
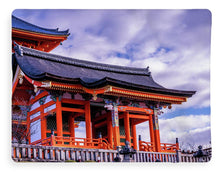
(43, 119)
(109, 127)
(59, 117)
(72, 125)
(88, 120)
(28, 127)
(115, 126)
(151, 128)
(43, 123)
(127, 127)
(156, 131)
(134, 135)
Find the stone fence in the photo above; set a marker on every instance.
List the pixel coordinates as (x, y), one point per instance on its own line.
(35, 153)
(191, 158)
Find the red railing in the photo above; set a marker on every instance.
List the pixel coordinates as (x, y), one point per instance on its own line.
(60, 141)
(146, 146)
(44, 142)
(165, 147)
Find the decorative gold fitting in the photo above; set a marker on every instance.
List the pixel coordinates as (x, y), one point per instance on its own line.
(20, 77)
(46, 84)
(94, 97)
(35, 89)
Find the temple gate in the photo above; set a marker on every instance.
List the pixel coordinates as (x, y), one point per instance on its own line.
(59, 92)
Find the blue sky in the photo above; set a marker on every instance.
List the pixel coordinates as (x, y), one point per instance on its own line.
(175, 44)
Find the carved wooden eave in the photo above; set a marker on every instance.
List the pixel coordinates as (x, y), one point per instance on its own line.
(107, 90)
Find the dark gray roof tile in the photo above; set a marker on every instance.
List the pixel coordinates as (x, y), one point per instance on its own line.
(23, 25)
(40, 65)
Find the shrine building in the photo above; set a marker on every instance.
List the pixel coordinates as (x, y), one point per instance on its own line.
(57, 93)
(32, 36)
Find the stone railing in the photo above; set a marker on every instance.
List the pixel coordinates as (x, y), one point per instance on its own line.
(38, 153)
(141, 156)
(191, 158)
(22, 152)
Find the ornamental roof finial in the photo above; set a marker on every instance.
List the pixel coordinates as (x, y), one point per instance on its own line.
(18, 49)
(147, 68)
(148, 71)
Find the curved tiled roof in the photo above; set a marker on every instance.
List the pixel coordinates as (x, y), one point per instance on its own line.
(23, 25)
(42, 66)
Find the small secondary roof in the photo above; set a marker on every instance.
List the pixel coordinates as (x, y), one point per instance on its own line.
(26, 26)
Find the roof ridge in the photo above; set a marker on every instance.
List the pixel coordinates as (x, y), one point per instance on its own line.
(42, 28)
(83, 63)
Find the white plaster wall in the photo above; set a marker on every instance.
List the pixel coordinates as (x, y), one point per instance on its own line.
(35, 115)
(35, 105)
(35, 131)
(48, 98)
(67, 95)
(49, 108)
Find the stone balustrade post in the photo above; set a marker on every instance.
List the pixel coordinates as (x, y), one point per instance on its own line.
(86, 155)
(62, 155)
(52, 157)
(67, 154)
(34, 153)
(73, 155)
(82, 155)
(57, 154)
(178, 156)
(78, 156)
(92, 156)
(40, 153)
(29, 152)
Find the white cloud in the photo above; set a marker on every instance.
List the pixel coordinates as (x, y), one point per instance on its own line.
(80, 132)
(190, 129)
(174, 43)
(185, 123)
(143, 130)
(95, 34)
(116, 61)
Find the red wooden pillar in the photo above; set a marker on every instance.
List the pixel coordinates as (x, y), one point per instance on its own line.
(115, 126)
(59, 117)
(28, 128)
(109, 127)
(72, 125)
(88, 120)
(43, 123)
(127, 127)
(156, 131)
(134, 133)
(151, 128)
